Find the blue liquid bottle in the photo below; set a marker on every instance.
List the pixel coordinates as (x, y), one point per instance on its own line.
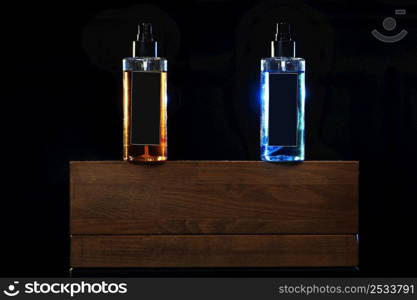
(282, 100)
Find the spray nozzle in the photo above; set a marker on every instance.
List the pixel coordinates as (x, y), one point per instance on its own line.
(145, 32)
(283, 45)
(283, 32)
(145, 44)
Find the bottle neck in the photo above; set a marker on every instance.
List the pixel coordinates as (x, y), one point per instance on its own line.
(145, 49)
(283, 48)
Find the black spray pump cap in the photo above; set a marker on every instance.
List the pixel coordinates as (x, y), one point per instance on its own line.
(283, 45)
(145, 44)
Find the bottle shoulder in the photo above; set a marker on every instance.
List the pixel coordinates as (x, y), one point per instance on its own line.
(283, 64)
(283, 58)
(144, 58)
(159, 64)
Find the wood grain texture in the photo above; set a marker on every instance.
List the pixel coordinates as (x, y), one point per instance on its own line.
(214, 251)
(214, 197)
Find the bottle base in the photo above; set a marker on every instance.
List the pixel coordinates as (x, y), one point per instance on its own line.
(145, 158)
(282, 158)
(145, 153)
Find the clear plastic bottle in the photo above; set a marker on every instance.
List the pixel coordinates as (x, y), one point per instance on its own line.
(145, 101)
(282, 100)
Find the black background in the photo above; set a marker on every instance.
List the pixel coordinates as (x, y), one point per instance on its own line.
(61, 101)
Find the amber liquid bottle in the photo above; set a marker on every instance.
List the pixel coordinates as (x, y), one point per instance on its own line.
(145, 101)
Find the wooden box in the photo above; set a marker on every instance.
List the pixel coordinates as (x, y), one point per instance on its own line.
(214, 214)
